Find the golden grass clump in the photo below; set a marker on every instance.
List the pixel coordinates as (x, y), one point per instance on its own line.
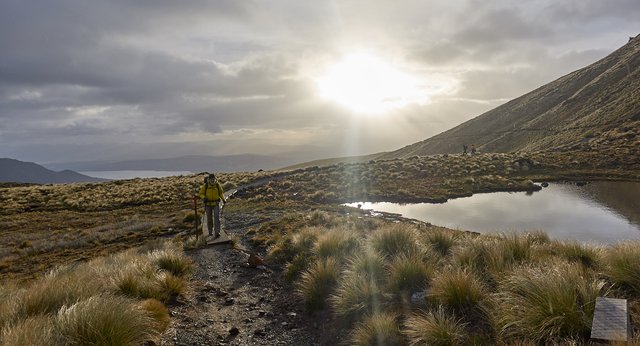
(368, 264)
(550, 303)
(407, 275)
(317, 282)
(442, 241)
(35, 330)
(290, 245)
(337, 243)
(106, 320)
(459, 291)
(435, 328)
(158, 312)
(377, 329)
(623, 266)
(173, 261)
(356, 296)
(395, 240)
(56, 289)
(588, 255)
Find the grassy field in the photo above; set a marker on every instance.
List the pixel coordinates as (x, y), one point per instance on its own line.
(62, 249)
(401, 283)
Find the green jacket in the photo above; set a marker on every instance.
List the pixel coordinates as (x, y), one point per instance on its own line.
(213, 193)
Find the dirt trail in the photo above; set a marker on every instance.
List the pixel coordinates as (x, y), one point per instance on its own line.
(233, 304)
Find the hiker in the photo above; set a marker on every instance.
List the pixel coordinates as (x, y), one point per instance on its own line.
(212, 194)
(473, 149)
(464, 149)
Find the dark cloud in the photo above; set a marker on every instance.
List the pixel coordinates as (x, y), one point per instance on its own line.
(115, 77)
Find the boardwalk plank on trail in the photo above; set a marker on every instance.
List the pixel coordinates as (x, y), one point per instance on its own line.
(610, 320)
(223, 239)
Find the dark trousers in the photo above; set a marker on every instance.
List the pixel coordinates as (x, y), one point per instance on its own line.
(213, 222)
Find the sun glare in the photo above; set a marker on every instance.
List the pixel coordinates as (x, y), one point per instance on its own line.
(368, 85)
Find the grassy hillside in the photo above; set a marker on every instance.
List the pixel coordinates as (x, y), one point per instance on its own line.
(576, 110)
(53, 239)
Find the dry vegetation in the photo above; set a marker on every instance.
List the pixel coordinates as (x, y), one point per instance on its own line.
(396, 283)
(392, 283)
(115, 300)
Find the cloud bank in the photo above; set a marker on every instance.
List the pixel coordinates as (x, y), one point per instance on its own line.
(87, 80)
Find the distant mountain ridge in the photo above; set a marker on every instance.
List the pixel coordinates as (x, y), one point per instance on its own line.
(580, 107)
(194, 163)
(15, 171)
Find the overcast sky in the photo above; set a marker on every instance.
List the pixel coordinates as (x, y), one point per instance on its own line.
(119, 79)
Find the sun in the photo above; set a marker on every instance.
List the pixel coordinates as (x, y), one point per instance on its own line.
(368, 85)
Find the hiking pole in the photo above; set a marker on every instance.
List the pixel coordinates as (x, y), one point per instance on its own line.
(195, 209)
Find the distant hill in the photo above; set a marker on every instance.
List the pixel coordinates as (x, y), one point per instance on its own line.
(15, 171)
(336, 160)
(592, 104)
(196, 163)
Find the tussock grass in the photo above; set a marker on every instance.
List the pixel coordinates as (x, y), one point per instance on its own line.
(55, 290)
(482, 257)
(516, 248)
(435, 328)
(377, 329)
(172, 261)
(287, 247)
(459, 291)
(442, 241)
(106, 320)
(338, 243)
(36, 330)
(357, 295)
(140, 282)
(158, 312)
(587, 255)
(407, 275)
(88, 304)
(298, 264)
(369, 264)
(554, 303)
(623, 266)
(396, 240)
(317, 282)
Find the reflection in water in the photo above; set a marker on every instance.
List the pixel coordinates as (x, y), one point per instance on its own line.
(601, 212)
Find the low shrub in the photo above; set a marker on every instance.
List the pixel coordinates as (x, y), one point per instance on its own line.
(434, 328)
(377, 329)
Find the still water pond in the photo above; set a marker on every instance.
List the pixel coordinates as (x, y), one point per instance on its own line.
(600, 212)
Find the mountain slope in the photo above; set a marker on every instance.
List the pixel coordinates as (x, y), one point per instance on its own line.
(576, 108)
(28, 172)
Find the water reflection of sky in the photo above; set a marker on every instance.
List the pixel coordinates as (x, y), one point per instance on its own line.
(563, 211)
